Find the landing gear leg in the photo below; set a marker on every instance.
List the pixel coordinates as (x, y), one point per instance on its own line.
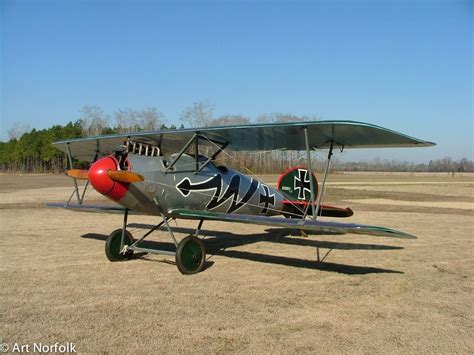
(190, 253)
(115, 249)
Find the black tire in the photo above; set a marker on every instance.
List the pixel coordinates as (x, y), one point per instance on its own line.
(190, 255)
(112, 245)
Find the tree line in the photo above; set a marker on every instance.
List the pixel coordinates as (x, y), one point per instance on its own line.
(31, 150)
(438, 165)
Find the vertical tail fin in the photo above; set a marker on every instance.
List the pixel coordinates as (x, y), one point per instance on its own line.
(295, 183)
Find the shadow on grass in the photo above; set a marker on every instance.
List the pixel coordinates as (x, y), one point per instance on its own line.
(273, 235)
(218, 243)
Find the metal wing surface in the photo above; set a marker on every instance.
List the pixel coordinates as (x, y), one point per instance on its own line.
(88, 208)
(309, 225)
(272, 136)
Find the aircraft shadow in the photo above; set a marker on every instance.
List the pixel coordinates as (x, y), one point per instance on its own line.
(272, 235)
(306, 264)
(218, 243)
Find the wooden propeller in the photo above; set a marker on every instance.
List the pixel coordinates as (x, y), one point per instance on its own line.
(116, 175)
(124, 176)
(80, 174)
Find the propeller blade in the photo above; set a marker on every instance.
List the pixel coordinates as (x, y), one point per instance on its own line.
(124, 176)
(78, 174)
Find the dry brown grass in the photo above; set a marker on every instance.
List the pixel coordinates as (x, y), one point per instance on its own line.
(263, 291)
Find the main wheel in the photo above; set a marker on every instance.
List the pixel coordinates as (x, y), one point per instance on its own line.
(112, 245)
(190, 255)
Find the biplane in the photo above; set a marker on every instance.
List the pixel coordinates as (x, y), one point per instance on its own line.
(175, 174)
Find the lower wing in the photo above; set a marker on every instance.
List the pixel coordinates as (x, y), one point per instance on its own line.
(309, 225)
(88, 208)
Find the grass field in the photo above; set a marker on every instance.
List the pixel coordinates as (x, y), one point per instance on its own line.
(263, 290)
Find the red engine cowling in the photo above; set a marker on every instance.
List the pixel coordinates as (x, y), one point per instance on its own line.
(102, 183)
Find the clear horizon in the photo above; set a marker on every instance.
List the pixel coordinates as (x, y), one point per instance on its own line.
(406, 66)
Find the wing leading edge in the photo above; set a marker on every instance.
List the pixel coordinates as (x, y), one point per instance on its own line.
(309, 225)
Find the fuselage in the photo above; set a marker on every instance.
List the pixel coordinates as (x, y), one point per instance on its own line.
(214, 188)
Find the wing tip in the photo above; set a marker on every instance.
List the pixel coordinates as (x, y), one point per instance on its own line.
(388, 232)
(425, 144)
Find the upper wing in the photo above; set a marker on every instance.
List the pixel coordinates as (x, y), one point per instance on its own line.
(285, 136)
(311, 225)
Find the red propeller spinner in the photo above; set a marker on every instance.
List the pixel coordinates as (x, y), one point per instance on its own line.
(102, 182)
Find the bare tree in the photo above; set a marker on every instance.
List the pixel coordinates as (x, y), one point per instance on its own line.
(284, 117)
(198, 114)
(18, 130)
(228, 120)
(93, 120)
(150, 119)
(287, 117)
(264, 118)
(128, 119)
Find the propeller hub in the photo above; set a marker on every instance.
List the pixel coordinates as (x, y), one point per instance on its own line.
(102, 183)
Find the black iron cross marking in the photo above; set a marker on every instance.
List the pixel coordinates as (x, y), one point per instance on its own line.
(302, 184)
(267, 199)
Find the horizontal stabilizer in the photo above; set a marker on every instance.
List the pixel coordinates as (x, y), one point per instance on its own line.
(310, 225)
(294, 208)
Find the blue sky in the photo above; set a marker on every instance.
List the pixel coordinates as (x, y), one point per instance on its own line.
(404, 65)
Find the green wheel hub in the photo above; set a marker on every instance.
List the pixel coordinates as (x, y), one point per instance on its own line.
(190, 255)
(112, 245)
